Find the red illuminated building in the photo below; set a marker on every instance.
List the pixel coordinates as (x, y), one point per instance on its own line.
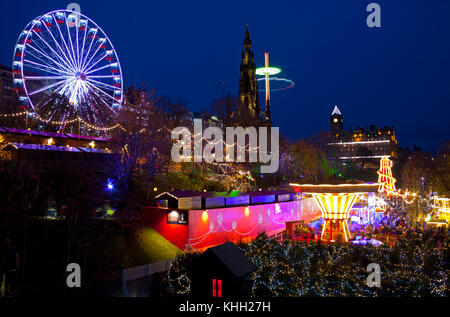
(197, 221)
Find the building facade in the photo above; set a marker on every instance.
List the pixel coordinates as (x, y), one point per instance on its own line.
(360, 145)
(8, 98)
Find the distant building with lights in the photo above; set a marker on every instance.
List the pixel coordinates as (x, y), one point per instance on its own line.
(8, 97)
(360, 145)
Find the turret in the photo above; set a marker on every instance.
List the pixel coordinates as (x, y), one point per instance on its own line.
(336, 120)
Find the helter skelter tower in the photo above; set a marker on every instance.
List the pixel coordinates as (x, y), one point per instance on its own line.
(385, 179)
(335, 202)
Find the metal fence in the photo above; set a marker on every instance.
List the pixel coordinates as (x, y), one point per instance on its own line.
(137, 272)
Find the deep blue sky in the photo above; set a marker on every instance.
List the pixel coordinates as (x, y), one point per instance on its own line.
(396, 75)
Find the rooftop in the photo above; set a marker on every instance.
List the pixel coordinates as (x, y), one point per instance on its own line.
(233, 258)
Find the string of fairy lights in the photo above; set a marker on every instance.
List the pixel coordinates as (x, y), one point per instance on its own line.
(53, 122)
(385, 177)
(197, 137)
(440, 206)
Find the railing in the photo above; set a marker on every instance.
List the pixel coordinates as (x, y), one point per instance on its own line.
(137, 272)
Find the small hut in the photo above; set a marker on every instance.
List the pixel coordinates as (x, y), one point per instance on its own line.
(222, 271)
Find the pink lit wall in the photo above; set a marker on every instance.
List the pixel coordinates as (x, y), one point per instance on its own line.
(216, 226)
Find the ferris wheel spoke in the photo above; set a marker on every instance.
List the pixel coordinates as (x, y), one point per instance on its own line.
(96, 62)
(50, 101)
(78, 48)
(93, 87)
(67, 60)
(45, 77)
(97, 69)
(89, 49)
(96, 82)
(87, 63)
(74, 93)
(82, 48)
(47, 87)
(43, 67)
(70, 38)
(89, 111)
(92, 111)
(45, 102)
(106, 94)
(49, 46)
(65, 43)
(103, 76)
(49, 58)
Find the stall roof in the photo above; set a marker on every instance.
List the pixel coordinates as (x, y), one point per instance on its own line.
(268, 192)
(177, 194)
(94, 150)
(25, 146)
(233, 258)
(189, 193)
(20, 131)
(85, 137)
(53, 134)
(338, 188)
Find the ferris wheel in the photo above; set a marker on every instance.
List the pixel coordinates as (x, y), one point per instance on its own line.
(66, 72)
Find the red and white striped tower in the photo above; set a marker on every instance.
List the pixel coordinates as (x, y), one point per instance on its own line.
(385, 179)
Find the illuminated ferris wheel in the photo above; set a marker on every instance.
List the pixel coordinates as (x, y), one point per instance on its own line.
(66, 72)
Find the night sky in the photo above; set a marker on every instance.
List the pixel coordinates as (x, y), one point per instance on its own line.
(397, 75)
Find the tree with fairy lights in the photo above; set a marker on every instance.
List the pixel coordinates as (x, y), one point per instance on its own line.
(412, 267)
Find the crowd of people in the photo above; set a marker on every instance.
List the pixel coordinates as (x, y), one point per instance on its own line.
(396, 221)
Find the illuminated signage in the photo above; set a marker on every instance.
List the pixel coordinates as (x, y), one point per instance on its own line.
(177, 217)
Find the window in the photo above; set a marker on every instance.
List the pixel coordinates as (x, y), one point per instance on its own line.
(216, 288)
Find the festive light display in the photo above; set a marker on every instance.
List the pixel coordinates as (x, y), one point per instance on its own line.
(67, 72)
(289, 84)
(213, 226)
(385, 178)
(268, 71)
(387, 182)
(263, 71)
(335, 202)
(440, 215)
(335, 210)
(290, 268)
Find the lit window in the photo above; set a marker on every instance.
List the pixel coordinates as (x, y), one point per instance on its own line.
(216, 288)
